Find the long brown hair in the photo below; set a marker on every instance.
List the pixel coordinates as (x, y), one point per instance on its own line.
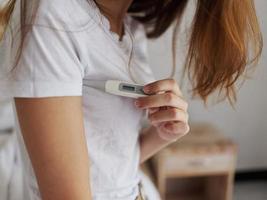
(225, 38)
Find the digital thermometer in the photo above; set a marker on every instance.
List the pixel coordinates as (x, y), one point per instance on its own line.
(117, 87)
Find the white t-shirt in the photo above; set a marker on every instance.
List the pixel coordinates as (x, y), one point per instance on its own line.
(71, 42)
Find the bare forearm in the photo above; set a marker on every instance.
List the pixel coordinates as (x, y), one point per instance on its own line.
(150, 143)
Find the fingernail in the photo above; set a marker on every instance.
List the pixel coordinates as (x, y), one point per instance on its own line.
(137, 103)
(146, 89)
(167, 125)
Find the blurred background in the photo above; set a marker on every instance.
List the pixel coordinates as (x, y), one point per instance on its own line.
(243, 131)
(246, 125)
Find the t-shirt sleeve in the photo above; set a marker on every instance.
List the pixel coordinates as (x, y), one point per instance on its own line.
(49, 65)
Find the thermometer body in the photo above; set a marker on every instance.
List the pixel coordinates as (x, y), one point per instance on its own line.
(117, 87)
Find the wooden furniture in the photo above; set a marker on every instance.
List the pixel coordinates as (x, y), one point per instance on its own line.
(204, 156)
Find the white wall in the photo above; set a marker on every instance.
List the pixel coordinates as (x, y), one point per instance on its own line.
(247, 124)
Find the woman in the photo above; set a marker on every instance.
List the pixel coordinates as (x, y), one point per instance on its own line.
(80, 143)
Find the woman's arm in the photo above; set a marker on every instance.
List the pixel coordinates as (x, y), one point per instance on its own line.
(53, 133)
(150, 143)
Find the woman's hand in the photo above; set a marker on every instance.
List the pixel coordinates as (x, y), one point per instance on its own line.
(167, 110)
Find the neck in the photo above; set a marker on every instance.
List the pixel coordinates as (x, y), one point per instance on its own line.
(115, 11)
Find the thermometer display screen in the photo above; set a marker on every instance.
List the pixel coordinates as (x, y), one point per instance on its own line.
(128, 88)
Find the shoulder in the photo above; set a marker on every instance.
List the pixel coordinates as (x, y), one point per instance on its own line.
(71, 15)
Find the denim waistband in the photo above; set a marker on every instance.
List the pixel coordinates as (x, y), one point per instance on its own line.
(141, 194)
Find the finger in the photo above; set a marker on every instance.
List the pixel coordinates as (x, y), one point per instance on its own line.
(163, 85)
(173, 131)
(153, 110)
(177, 128)
(172, 114)
(160, 100)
